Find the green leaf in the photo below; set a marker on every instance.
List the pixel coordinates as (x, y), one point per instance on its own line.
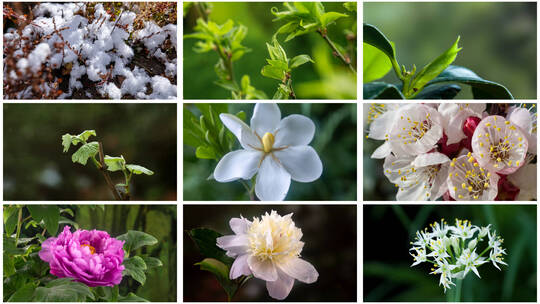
(11, 216)
(135, 267)
(482, 89)
(221, 271)
(205, 239)
(136, 169)
(299, 60)
(273, 72)
(8, 265)
(68, 211)
(131, 297)
(23, 294)
(241, 115)
(192, 134)
(66, 142)
(114, 163)
(136, 239)
(152, 262)
(86, 134)
(49, 214)
(350, 6)
(66, 221)
(10, 248)
(376, 63)
(445, 91)
(376, 38)
(330, 17)
(381, 90)
(63, 290)
(434, 68)
(205, 152)
(85, 152)
(227, 84)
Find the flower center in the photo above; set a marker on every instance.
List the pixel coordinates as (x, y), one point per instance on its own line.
(92, 249)
(268, 142)
(274, 237)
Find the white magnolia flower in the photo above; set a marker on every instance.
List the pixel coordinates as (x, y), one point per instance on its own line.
(470, 260)
(269, 248)
(525, 179)
(498, 145)
(273, 148)
(526, 120)
(468, 181)
(455, 114)
(421, 177)
(417, 129)
(381, 118)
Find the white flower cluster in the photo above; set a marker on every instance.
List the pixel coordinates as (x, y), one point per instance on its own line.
(457, 151)
(453, 249)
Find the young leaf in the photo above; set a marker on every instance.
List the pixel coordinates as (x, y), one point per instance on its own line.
(273, 72)
(136, 239)
(85, 152)
(376, 63)
(205, 152)
(350, 6)
(299, 60)
(63, 290)
(66, 141)
(205, 239)
(49, 214)
(434, 68)
(136, 169)
(135, 268)
(86, 134)
(330, 17)
(221, 271)
(114, 163)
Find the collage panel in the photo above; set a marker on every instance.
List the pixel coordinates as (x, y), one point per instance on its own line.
(90, 50)
(270, 152)
(89, 253)
(96, 152)
(263, 253)
(454, 253)
(450, 151)
(270, 50)
(450, 50)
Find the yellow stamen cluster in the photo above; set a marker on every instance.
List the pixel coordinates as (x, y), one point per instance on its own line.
(472, 179)
(375, 110)
(414, 130)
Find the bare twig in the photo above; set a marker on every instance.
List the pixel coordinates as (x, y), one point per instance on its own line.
(108, 179)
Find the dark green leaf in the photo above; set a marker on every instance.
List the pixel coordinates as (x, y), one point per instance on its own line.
(136, 239)
(49, 214)
(114, 163)
(68, 211)
(221, 271)
(135, 268)
(192, 135)
(10, 248)
(131, 297)
(376, 38)
(381, 90)
(9, 265)
(445, 91)
(63, 290)
(11, 216)
(299, 60)
(152, 262)
(205, 239)
(433, 69)
(376, 63)
(482, 89)
(66, 221)
(136, 169)
(23, 294)
(86, 151)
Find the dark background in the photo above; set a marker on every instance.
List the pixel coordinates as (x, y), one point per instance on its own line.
(36, 169)
(327, 78)
(498, 38)
(334, 140)
(388, 229)
(329, 234)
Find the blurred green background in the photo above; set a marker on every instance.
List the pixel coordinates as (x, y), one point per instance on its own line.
(389, 277)
(498, 38)
(159, 221)
(334, 141)
(327, 78)
(329, 234)
(36, 169)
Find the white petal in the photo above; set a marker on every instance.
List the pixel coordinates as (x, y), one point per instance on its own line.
(382, 151)
(525, 179)
(264, 270)
(415, 193)
(237, 164)
(240, 267)
(280, 288)
(294, 130)
(302, 163)
(429, 159)
(299, 269)
(266, 117)
(520, 117)
(229, 242)
(249, 140)
(239, 225)
(382, 125)
(273, 181)
(234, 124)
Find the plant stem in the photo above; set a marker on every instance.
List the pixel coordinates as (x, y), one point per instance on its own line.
(249, 190)
(19, 224)
(346, 61)
(289, 84)
(229, 66)
(457, 291)
(103, 169)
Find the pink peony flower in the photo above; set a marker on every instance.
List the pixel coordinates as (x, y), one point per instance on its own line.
(90, 257)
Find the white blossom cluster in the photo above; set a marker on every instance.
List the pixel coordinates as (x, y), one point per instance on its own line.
(453, 250)
(457, 151)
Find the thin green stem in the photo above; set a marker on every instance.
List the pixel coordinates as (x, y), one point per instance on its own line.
(19, 224)
(346, 61)
(248, 189)
(457, 290)
(485, 250)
